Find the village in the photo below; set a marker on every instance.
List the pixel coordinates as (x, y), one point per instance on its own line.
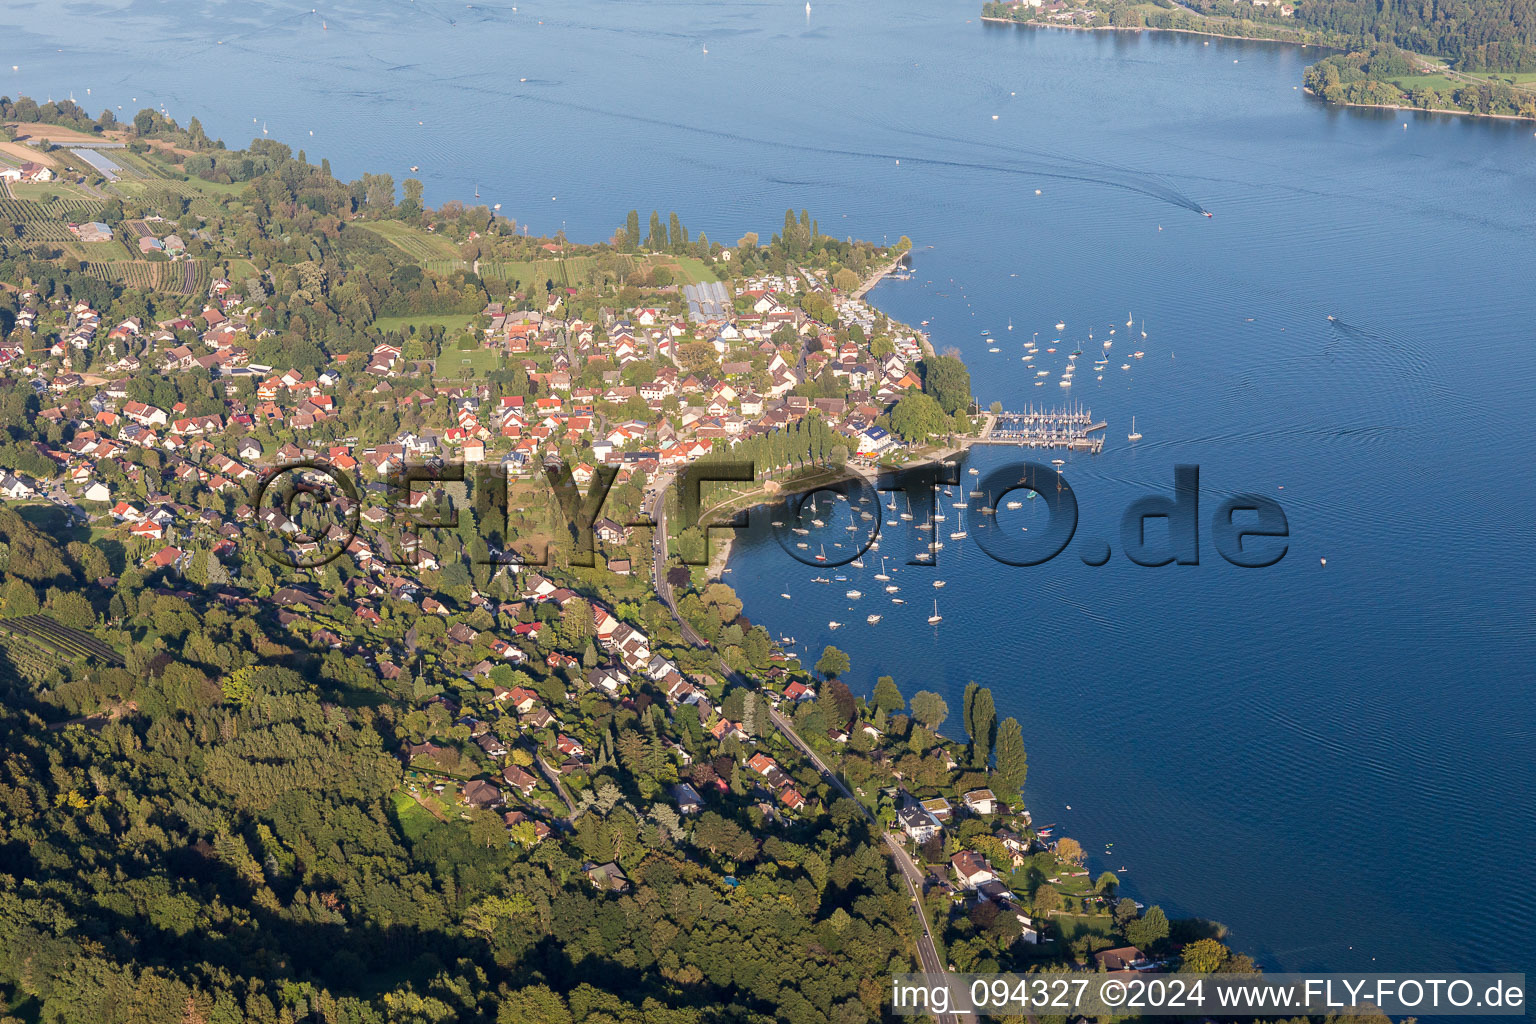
(539, 702)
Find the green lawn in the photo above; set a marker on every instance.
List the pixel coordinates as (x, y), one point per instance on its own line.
(415, 820)
(453, 323)
(1072, 926)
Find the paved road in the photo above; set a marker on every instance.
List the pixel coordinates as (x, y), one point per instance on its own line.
(927, 949)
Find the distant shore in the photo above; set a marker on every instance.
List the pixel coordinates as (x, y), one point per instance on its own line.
(1259, 39)
(1152, 28)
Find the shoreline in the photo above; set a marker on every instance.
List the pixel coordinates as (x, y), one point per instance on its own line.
(1153, 28)
(1261, 39)
(1420, 110)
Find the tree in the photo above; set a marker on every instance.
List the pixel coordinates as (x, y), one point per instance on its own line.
(1069, 851)
(411, 207)
(846, 281)
(832, 662)
(632, 231)
(1125, 912)
(929, 708)
(1148, 930)
(949, 382)
(1012, 765)
(843, 701)
(980, 723)
(917, 417)
(1205, 956)
(1048, 901)
(887, 697)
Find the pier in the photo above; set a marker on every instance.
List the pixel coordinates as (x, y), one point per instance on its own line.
(1073, 428)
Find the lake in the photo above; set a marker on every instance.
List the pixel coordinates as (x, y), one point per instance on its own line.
(1330, 759)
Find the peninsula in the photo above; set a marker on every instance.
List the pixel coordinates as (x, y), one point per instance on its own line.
(288, 739)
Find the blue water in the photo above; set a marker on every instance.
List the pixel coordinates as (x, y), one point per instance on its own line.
(1335, 761)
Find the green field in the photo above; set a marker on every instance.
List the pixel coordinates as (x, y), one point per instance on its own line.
(693, 271)
(415, 820)
(453, 323)
(457, 364)
(46, 192)
(1437, 82)
(412, 241)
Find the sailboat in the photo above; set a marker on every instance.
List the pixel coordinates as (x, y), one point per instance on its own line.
(1134, 435)
(1129, 319)
(935, 618)
(881, 575)
(821, 556)
(907, 515)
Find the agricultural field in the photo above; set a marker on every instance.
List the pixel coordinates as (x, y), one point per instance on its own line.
(444, 267)
(413, 242)
(134, 273)
(39, 631)
(45, 222)
(46, 192)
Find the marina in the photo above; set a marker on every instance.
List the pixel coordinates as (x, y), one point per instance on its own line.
(1071, 427)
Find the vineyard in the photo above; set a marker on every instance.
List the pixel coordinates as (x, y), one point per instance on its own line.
(413, 243)
(46, 222)
(57, 640)
(184, 277)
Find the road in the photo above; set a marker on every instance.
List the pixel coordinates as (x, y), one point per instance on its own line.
(927, 949)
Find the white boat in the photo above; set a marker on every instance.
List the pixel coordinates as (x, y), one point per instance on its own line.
(938, 583)
(857, 563)
(821, 579)
(959, 504)
(1125, 366)
(854, 595)
(974, 471)
(891, 588)
(785, 596)
(872, 619)
(778, 522)
(958, 535)
(1066, 383)
(1133, 435)
(881, 575)
(1061, 326)
(1015, 504)
(935, 618)
(833, 624)
(802, 544)
(817, 523)
(801, 531)
(1138, 353)
(897, 600)
(1129, 319)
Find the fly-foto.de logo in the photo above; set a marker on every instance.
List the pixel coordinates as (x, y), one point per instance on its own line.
(1247, 530)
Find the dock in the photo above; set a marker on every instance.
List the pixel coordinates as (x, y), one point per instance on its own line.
(1071, 427)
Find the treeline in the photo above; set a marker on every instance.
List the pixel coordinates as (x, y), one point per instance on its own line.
(1366, 77)
(1497, 35)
